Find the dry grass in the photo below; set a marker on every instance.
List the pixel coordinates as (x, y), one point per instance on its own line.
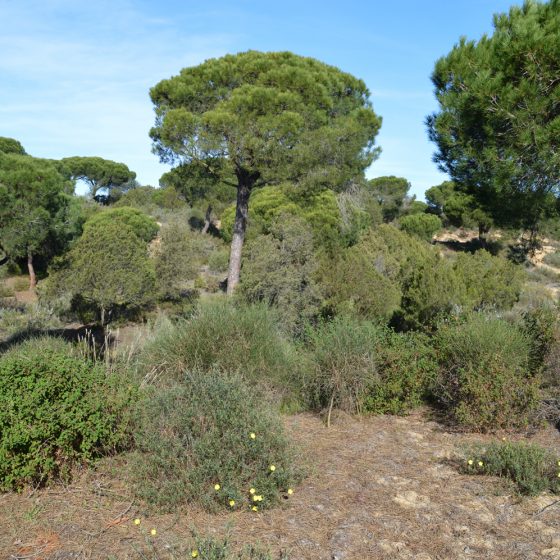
(380, 488)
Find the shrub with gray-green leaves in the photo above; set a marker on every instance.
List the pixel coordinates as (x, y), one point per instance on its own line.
(209, 439)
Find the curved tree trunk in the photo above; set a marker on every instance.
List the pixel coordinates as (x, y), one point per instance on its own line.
(32, 276)
(239, 227)
(207, 219)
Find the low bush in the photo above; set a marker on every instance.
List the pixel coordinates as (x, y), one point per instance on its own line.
(210, 440)
(176, 260)
(243, 339)
(490, 282)
(210, 548)
(57, 410)
(407, 366)
(423, 226)
(142, 225)
(530, 467)
(6, 291)
(345, 364)
(542, 326)
(218, 261)
(359, 366)
(21, 283)
(485, 382)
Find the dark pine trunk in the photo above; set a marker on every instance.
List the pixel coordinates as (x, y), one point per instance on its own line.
(245, 183)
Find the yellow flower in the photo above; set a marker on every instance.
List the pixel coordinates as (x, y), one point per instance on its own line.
(194, 554)
(255, 498)
(272, 468)
(153, 532)
(252, 435)
(216, 487)
(470, 461)
(290, 491)
(480, 463)
(252, 491)
(232, 503)
(137, 521)
(559, 463)
(559, 475)
(255, 508)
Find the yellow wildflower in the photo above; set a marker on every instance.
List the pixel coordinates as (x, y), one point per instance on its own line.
(255, 508)
(137, 521)
(252, 435)
(194, 554)
(290, 491)
(216, 487)
(272, 468)
(470, 462)
(232, 503)
(480, 463)
(252, 491)
(153, 532)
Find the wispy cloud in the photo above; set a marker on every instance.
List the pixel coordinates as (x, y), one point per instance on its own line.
(74, 77)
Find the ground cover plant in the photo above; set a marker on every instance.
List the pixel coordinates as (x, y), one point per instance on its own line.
(531, 468)
(57, 410)
(214, 440)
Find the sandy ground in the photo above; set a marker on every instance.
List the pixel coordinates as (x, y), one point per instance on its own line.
(379, 488)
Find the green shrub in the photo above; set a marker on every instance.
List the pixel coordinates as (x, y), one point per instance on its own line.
(363, 367)
(431, 291)
(530, 467)
(489, 281)
(355, 284)
(107, 273)
(144, 226)
(176, 260)
(423, 226)
(484, 382)
(243, 339)
(542, 326)
(218, 260)
(279, 269)
(318, 209)
(57, 410)
(197, 434)
(406, 366)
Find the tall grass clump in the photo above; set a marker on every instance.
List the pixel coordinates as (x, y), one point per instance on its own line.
(57, 410)
(209, 440)
(243, 339)
(485, 380)
(533, 469)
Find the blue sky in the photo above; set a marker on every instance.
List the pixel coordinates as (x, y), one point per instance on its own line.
(75, 75)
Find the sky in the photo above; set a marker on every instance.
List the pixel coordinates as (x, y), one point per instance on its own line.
(75, 75)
